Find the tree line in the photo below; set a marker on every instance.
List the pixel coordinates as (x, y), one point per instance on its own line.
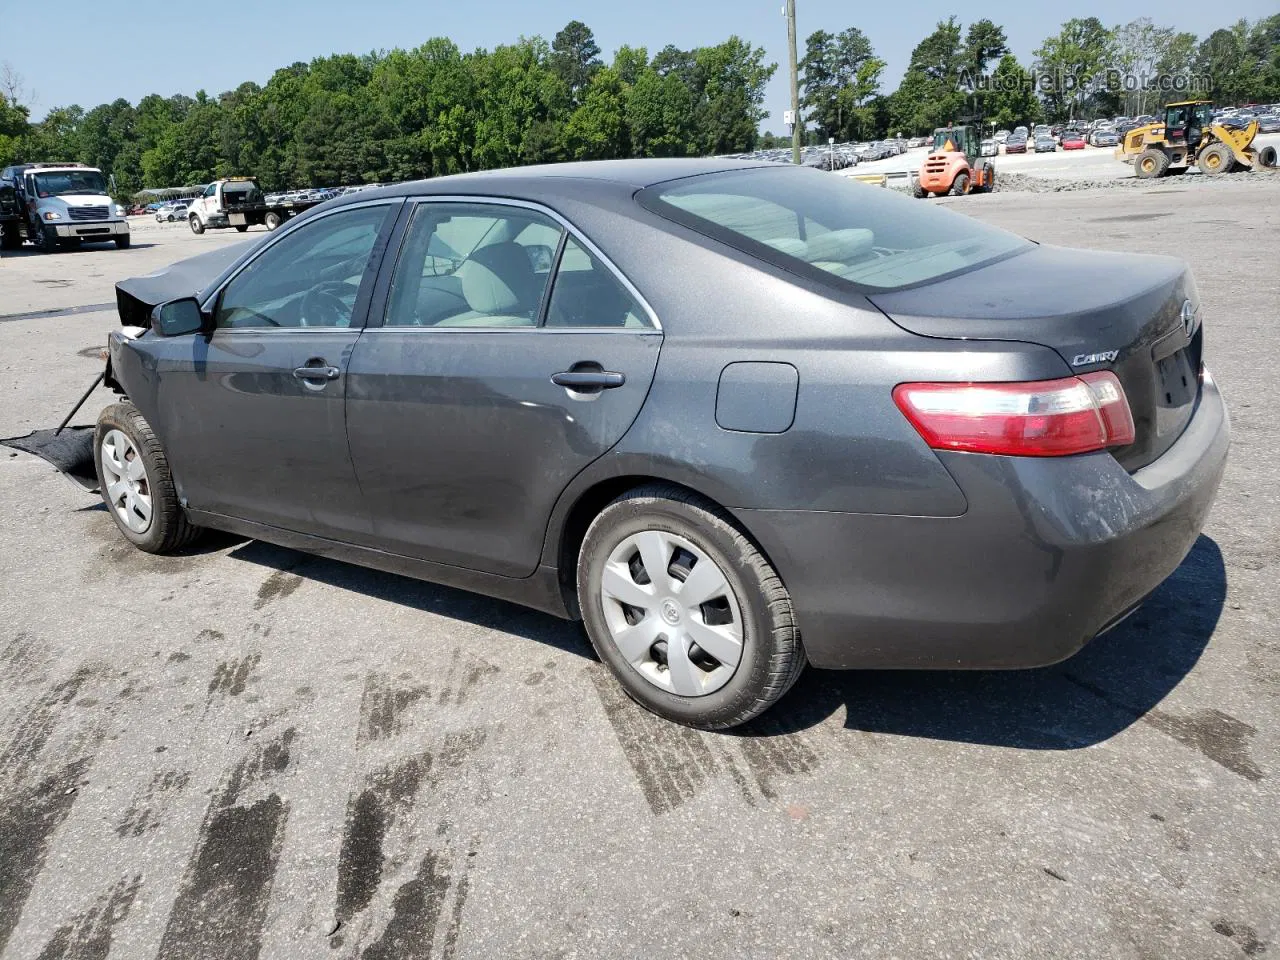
(956, 74)
(434, 110)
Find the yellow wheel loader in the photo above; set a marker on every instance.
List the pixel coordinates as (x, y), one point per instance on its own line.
(1189, 136)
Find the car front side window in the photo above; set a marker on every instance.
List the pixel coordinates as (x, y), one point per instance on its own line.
(310, 278)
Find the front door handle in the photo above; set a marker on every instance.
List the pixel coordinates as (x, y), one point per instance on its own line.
(589, 379)
(317, 373)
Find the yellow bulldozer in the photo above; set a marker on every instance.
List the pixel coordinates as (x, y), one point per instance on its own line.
(1190, 136)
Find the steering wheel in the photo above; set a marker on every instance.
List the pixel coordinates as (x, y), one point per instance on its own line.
(323, 306)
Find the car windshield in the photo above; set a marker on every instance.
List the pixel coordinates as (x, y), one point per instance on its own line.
(63, 183)
(822, 226)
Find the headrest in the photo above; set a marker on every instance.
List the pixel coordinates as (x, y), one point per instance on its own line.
(499, 279)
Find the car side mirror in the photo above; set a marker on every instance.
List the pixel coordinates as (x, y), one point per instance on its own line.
(177, 318)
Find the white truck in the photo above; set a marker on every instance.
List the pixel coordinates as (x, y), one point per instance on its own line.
(239, 202)
(64, 205)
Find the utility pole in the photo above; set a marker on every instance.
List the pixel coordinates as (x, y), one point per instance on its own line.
(795, 82)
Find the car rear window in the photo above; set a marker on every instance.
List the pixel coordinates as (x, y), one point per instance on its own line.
(829, 227)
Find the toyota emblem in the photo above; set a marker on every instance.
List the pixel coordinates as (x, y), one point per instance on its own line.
(1188, 317)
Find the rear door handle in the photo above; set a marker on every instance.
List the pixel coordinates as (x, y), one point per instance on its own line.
(317, 373)
(589, 379)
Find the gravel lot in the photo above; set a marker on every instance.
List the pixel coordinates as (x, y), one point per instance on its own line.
(230, 754)
(1094, 164)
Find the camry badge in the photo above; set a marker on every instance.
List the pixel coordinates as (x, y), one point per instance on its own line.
(1085, 359)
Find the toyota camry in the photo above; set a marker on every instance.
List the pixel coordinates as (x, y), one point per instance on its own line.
(736, 417)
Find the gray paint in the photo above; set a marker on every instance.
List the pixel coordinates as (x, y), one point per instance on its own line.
(756, 397)
(463, 464)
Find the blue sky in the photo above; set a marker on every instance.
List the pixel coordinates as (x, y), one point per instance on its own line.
(177, 50)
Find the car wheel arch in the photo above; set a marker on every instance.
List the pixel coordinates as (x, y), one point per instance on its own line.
(574, 513)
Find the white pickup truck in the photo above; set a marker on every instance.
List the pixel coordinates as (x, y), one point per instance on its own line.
(239, 202)
(66, 204)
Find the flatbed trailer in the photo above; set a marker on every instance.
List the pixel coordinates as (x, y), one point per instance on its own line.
(239, 202)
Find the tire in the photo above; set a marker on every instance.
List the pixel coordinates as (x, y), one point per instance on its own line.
(1267, 157)
(960, 185)
(990, 179)
(920, 192)
(1150, 164)
(1215, 159)
(10, 237)
(751, 598)
(170, 218)
(272, 220)
(123, 241)
(241, 228)
(46, 239)
(167, 528)
(196, 226)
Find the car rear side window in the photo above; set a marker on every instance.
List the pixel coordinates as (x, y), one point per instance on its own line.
(472, 265)
(830, 228)
(587, 294)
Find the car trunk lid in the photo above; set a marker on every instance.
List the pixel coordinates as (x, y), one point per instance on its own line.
(1137, 316)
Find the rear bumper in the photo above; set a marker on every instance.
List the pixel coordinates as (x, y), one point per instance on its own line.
(91, 230)
(1049, 553)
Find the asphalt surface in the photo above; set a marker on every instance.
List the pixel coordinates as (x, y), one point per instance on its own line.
(248, 752)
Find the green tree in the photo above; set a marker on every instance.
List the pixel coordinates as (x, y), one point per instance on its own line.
(1011, 99)
(659, 112)
(14, 127)
(930, 94)
(840, 75)
(1068, 62)
(575, 57)
(728, 89)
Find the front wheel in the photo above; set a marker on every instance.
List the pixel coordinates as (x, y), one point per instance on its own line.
(136, 485)
(1216, 158)
(123, 241)
(241, 227)
(196, 226)
(46, 239)
(688, 615)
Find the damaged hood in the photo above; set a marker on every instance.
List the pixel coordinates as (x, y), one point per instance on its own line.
(138, 296)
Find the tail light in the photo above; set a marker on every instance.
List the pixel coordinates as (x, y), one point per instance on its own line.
(1045, 418)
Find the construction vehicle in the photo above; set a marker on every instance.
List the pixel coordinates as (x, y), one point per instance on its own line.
(1188, 136)
(954, 166)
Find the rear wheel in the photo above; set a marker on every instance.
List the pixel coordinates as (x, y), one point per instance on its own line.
(960, 185)
(272, 220)
(136, 485)
(1216, 158)
(1151, 163)
(920, 192)
(689, 616)
(10, 237)
(196, 226)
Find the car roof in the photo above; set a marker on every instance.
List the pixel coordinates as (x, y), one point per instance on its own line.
(628, 175)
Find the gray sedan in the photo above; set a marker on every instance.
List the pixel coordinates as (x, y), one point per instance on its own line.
(735, 416)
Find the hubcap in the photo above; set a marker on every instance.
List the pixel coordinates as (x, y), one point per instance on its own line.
(671, 613)
(124, 476)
